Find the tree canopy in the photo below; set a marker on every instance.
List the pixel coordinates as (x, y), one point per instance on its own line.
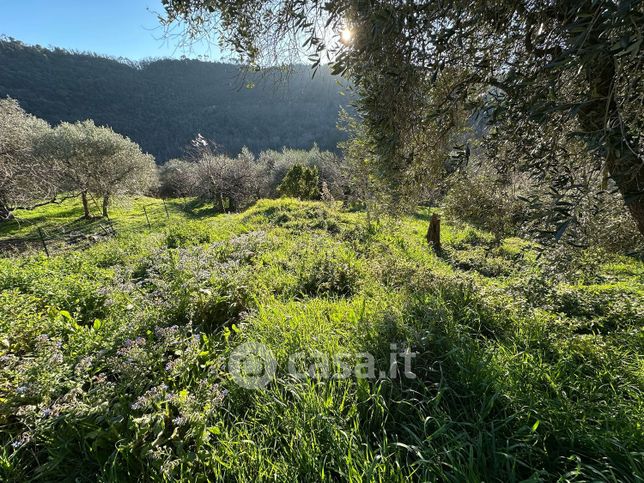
(545, 73)
(24, 178)
(96, 160)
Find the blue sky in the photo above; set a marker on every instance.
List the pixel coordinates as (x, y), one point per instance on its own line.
(119, 28)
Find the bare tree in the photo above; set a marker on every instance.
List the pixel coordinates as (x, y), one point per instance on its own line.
(177, 177)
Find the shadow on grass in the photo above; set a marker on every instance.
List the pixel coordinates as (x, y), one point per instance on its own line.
(18, 223)
(478, 412)
(198, 209)
(425, 215)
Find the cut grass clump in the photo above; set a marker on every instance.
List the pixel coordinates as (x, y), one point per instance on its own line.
(330, 276)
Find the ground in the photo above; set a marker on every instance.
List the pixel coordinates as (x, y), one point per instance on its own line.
(527, 364)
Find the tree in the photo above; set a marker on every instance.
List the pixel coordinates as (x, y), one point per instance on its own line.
(127, 171)
(573, 66)
(234, 182)
(96, 160)
(24, 177)
(228, 183)
(177, 178)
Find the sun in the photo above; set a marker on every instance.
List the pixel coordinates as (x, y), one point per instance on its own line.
(346, 36)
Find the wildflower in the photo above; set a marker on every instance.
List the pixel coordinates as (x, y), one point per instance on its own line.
(179, 421)
(42, 338)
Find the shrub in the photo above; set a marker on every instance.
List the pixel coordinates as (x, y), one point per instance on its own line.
(301, 182)
(483, 202)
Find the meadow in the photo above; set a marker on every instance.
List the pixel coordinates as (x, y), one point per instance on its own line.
(529, 363)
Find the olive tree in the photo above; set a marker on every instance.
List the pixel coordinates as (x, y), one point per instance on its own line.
(25, 178)
(570, 68)
(97, 161)
(228, 183)
(128, 171)
(177, 178)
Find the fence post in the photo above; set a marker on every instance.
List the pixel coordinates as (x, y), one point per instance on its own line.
(146, 217)
(167, 215)
(44, 243)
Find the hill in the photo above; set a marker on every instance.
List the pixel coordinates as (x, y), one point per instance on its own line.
(138, 358)
(163, 104)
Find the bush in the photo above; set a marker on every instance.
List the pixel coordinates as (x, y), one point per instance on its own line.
(177, 178)
(301, 182)
(612, 227)
(483, 202)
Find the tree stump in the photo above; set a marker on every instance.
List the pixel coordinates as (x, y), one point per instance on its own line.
(434, 233)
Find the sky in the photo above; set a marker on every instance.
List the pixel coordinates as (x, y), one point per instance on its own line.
(116, 28)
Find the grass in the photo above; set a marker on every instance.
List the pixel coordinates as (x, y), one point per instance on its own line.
(114, 358)
(128, 213)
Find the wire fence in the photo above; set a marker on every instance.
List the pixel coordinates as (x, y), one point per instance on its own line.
(82, 233)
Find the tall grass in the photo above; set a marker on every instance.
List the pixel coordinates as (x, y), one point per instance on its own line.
(114, 358)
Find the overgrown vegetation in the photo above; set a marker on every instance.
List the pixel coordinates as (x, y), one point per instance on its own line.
(114, 358)
(134, 349)
(232, 184)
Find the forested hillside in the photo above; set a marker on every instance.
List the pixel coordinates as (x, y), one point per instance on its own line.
(163, 104)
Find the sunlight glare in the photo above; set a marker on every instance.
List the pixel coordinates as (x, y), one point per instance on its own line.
(346, 36)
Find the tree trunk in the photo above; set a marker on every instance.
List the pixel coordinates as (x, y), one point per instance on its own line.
(5, 213)
(434, 233)
(86, 214)
(221, 204)
(628, 173)
(600, 118)
(106, 203)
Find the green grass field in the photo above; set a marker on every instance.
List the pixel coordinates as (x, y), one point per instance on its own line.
(115, 357)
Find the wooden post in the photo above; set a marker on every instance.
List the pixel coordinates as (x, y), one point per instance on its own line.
(167, 214)
(146, 217)
(434, 233)
(44, 243)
